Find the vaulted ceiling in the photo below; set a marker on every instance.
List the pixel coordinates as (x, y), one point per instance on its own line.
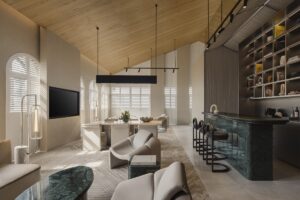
(126, 26)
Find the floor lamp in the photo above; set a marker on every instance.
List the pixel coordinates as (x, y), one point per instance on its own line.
(21, 153)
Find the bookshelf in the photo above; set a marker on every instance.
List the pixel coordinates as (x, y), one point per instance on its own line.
(270, 57)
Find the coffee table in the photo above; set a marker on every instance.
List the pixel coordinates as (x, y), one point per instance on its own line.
(143, 165)
(69, 184)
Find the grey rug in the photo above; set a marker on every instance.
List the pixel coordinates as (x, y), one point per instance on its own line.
(105, 179)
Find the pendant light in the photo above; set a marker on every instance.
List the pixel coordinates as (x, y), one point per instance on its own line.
(121, 79)
(155, 50)
(96, 103)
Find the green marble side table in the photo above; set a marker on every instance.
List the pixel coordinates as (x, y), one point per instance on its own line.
(69, 184)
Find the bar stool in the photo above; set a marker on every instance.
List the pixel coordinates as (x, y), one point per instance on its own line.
(206, 147)
(195, 131)
(200, 142)
(213, 136)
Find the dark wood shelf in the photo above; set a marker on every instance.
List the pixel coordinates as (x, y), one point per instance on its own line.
(269, 54)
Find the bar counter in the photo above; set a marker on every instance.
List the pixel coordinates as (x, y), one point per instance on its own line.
(249, 147)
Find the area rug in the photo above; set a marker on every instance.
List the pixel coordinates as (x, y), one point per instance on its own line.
(105, 179)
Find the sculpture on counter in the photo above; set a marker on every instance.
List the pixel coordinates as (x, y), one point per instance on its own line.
(213, 109)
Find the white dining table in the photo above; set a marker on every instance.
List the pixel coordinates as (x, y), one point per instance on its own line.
(116, 130)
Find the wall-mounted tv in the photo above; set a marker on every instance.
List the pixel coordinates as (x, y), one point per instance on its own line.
(63, 103)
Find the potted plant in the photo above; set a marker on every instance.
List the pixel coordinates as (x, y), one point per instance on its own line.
(125, 116)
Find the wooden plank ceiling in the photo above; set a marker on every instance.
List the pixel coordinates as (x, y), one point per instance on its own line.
(126, 26)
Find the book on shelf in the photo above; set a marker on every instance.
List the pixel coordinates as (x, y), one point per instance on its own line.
(258, 68)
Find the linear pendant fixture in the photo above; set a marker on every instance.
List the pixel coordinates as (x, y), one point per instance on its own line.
(122, 79)
(127, 79)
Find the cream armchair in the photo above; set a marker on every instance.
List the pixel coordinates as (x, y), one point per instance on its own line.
(142, 143)
(166, 184)
(164, 119)
(15, 178)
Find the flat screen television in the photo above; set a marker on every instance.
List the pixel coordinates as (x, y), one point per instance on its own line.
(63, 103)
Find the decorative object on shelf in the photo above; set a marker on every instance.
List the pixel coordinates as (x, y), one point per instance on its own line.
(214, 109)
(268, 92)
(282, 89)
(269, 78)
(279, 30)
(278, 114)
(282, 60)
(125, 116)
(295, 114)
(280, 76)
(146, 119)
(258, 68)
(259, 80)
(269, 38)
(270, 112)
(294, 92)
(250, 82)
(293, 59)
(293, 74)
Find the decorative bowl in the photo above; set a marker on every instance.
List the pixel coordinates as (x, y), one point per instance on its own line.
(146, 119)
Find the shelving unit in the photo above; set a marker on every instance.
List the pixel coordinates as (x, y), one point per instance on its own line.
(265, 57)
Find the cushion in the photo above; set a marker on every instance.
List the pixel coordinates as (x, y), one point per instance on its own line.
(141, 138)
(171, 182)
(13, 172)
(137, 188)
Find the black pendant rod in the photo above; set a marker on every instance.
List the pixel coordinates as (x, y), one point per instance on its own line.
(97, 50)
(156, 37)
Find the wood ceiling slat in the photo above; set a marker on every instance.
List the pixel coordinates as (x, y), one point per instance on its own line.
(126, 27)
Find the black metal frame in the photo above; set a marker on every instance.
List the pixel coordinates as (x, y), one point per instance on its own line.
(211, 155)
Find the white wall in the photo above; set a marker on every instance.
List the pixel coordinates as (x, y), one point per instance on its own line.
(88, 71)
(171, 81)
(157, 90)
(183, 83)
(62, 63)
(17, 35)
(197, 78)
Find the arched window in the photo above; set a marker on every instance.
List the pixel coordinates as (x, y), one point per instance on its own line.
(23, 77)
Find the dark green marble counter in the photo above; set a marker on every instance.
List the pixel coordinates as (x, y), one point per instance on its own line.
(249, 147)
(250, 119)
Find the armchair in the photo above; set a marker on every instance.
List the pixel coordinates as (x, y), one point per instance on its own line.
(15, 178)
(166, 184)
(165, 120)
(142, 143)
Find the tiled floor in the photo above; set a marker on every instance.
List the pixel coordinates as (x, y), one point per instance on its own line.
(232, 185)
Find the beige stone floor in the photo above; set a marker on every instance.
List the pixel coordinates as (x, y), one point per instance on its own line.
(232, 185)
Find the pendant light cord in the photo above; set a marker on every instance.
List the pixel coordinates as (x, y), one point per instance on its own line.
(97, 50)
(156, 38)
(175, 52)
(207, 20)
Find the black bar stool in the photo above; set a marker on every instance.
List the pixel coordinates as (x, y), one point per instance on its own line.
(212, 155)
(195, 131)
(206, 147)
(200, 142)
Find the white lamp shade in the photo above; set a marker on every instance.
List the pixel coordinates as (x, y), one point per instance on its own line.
(36, 131)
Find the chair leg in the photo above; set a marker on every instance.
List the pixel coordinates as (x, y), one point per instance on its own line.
(225, 168)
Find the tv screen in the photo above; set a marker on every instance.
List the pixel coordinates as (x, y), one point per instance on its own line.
(63, 103)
